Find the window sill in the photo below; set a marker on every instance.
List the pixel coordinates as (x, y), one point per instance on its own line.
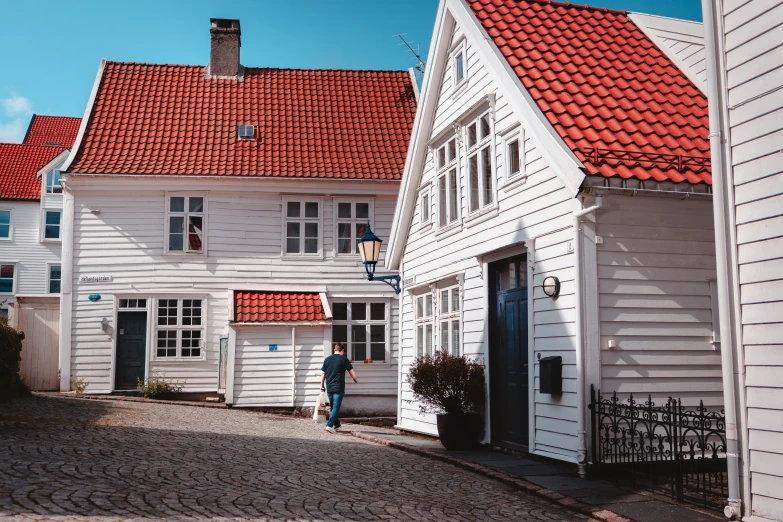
(303, 258)
(481, 216)
(51, 241)
(450, 230)
(365, 365)
(425, 227)
(186, 254)
(460, 88)
(516, 181)
(177, 359)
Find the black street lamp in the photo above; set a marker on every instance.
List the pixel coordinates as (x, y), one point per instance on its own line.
(370, 250)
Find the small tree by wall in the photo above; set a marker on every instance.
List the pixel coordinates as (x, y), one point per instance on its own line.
(11, 384)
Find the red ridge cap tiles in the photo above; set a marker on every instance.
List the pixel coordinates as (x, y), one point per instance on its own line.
(59, 131)
(258, 307)
(169, 119)
(617, 101)
(19, 166)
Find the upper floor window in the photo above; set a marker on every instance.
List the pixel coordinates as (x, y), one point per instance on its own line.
(459, 64)
(52, 225)
(448, 198)
(53, 185)
(424, 206)
(302, 227)
(362, 327)
(5, 224)
(352, 218)
(480, 179)
(423, 314)
(55, 279)
(515, 155)
(179, 328)
(450, 320)
(7, 278)
(186, 219)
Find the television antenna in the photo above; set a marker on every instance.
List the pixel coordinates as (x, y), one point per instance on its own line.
(420, 64)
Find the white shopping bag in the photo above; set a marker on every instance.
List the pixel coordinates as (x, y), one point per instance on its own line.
(319, 411)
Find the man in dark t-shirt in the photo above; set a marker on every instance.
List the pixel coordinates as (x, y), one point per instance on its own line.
(333, 382)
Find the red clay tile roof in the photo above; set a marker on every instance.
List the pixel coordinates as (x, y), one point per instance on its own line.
(616, 99)
(19, 166)
(60, 130)
(256, 307)
(168, 119)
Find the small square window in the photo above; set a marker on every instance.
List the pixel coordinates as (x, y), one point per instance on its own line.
(167, 343)
(344, 210)
(362, 210)
(246, 132)
(377, 311)
(358, 311)
(5, 224)
(52, 224)
(293, 209)
(7, 279)
(177, 204)
(311, 210)
(55, 278)
(340, 311)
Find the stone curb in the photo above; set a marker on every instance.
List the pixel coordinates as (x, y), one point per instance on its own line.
(510, 480)
(124, 398)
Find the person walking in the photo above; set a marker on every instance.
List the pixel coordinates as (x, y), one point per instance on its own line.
(333, 383)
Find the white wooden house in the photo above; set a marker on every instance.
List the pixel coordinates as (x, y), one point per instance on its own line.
(30, 226)
(745, 61)
(219, 206)
(572, 142)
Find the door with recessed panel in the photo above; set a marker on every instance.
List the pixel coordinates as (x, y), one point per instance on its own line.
(131, 349)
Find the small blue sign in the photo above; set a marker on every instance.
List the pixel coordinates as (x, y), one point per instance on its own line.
(272, 347)
(94, 297)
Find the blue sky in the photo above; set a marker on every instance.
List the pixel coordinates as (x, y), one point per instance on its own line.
(50, 49)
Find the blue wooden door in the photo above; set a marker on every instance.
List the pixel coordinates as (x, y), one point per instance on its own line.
(131, 349)
(508, 352)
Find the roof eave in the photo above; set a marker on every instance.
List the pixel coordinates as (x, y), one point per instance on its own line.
(86, 118)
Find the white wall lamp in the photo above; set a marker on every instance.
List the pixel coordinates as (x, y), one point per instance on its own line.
(551, 286)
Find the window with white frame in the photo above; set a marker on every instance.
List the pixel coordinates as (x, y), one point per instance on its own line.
(449, 320)
(459, 64)
(423, 315)
(302, 227)
(362, 328)
(52, 225)
(185, 221)
(448, 196)
(5, 223)
(53, 185)
(481, 188)
(179, 328)
(352, 218)
(515, 156)
(133, 304)
(425, 217)
(55, 279)
(7, 271)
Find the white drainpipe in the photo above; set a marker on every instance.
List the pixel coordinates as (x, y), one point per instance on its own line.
(581, 457)
(720, 178)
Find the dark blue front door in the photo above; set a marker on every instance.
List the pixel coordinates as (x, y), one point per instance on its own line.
(131, 349)
(508, 351)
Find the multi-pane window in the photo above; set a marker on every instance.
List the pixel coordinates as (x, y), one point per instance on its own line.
(424, 206)
(53, 185)
(52, 224)
(133, 304)
(55, 278)
(302, 224)
(352, 221)
(423, 314)
(186, 217)
(514, 157)
(448, 200)
(5, 224)
(449, 319)
(6, 278)
(179, 328)
(481, 188)
(361, 327)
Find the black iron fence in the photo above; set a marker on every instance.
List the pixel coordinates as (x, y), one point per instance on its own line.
(666, 448)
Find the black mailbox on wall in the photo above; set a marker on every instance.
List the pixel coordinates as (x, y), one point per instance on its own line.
(550, 377)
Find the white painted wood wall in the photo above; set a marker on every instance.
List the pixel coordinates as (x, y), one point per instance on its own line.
(754, 66)
(125, 239)
(39, 319)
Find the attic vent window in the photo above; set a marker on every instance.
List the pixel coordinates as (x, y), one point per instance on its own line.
(246, 132)
(53, 144)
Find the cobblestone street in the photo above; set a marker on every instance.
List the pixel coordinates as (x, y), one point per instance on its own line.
(68, 459)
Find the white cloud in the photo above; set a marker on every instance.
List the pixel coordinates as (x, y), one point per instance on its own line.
(17, 105)
(13, 132)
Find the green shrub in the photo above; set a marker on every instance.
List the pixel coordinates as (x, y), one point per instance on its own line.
(11, 384)
(447, 383)
(158, 387)
(78, 385)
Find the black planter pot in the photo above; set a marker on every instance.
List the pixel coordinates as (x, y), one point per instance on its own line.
(460, 431)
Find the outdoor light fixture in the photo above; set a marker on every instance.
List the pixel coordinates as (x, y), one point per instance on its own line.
(370, 250)
(551, 286)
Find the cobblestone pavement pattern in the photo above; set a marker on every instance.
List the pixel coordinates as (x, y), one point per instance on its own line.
(70, 459)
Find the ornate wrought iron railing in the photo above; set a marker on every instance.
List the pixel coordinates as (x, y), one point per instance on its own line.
(666, 448)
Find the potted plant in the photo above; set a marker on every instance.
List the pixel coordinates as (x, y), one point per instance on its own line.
(451, 386)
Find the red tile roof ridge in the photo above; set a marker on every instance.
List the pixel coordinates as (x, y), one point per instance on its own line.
(580, 6)
(308, 69)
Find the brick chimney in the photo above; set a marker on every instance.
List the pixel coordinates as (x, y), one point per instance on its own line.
(224, 36)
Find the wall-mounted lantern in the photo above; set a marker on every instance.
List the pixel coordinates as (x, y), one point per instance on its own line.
(551, 286)
(370, 250)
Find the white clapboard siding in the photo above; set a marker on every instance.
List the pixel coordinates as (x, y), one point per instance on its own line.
(754, 67)
(523, 212)
(126, 240)
(25, 249)
(654, 299)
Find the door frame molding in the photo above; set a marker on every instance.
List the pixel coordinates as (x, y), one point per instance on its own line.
(116, 315)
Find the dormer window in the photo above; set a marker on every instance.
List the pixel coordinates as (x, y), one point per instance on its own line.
(53, 185)
(246, 132)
